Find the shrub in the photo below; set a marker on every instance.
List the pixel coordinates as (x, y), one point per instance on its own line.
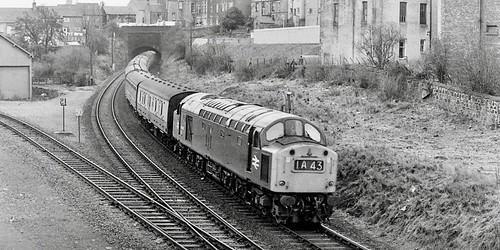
(340, 75)
(175, 43)
(213, 58)
(478, 69)
(72, 65)
(437, 60)
(284, 70)
(366, 78)
(317, 73)
(245, 73)
(393, 87)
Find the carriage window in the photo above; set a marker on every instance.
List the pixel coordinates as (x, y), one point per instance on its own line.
(312, 132)
(232, 123)
(223, 121)
(219, 120)
(293, 128)
(239, 126)
(245, 128)
(275, 132)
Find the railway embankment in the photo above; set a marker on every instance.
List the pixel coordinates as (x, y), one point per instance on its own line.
(411, 172)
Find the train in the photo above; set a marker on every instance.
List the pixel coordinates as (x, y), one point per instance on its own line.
(274, 160)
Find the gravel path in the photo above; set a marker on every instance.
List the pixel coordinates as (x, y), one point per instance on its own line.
(35, 214)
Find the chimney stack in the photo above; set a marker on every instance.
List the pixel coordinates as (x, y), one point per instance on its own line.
(33, 6)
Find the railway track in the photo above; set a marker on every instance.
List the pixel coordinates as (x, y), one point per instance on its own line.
(168, 214)
(194, 182)
(174, 229)
(139, 171)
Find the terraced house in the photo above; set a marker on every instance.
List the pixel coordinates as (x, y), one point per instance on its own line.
(207, 13)
(285, 13)
(459, 24)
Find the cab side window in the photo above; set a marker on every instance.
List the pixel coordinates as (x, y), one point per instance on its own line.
(256, 140)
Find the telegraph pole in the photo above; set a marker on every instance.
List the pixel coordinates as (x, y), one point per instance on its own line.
(191, 39)
(112, 51)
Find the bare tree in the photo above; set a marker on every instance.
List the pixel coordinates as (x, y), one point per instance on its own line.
(39, 30)
(95, 39)
(377, 43)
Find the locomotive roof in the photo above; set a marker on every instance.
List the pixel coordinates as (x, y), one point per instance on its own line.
(250, 114)
(162, 88)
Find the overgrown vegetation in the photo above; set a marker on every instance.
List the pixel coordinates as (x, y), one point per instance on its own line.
(210, 59)
(479, 70)
(175, 44)
(259, 71)
(437, 61)
(422, 203)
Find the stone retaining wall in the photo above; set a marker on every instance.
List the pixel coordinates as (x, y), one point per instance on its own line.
(479, 107)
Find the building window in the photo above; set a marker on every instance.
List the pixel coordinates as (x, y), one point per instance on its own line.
(422, 45)
(66, 19)
(364, 15)
(423, 13)
(402, 12)
(181, 5)
(335, 14)
(492, 30)
(402, 48)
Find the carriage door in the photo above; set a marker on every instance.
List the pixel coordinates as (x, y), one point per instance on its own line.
(253, 163)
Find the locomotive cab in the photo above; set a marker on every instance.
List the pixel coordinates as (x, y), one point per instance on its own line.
(303, 169)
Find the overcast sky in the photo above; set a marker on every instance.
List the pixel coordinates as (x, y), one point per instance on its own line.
(27, 3)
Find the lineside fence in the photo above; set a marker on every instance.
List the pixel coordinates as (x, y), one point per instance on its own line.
(46, 80)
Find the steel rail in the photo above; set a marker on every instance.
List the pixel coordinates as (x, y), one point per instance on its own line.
(181, 187)
(93, 166)
(207, 237)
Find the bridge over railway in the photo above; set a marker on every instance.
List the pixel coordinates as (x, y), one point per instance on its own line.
(142, 38)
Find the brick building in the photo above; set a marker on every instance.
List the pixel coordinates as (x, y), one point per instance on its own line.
(459, 24)
(207, 13)
(285, 12)
(462, 24)
(78, 18)
(8, 18)
(344, 21)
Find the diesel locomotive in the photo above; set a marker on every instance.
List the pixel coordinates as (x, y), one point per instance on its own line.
(274, 160)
